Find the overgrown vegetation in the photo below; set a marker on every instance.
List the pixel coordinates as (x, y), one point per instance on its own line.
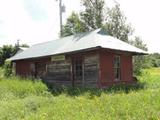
(6, 52)
(8, 69)
(24, 99)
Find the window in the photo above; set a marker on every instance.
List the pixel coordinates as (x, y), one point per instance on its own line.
(117, 67)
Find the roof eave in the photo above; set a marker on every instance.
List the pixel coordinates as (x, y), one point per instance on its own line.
(71, 52)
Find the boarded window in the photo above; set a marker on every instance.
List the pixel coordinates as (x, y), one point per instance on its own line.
(59, 70)
(40, 69)
(91, 68)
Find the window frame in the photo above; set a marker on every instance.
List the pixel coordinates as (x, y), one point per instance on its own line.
(117, 67)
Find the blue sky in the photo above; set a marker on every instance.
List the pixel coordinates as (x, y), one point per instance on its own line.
(34, 21)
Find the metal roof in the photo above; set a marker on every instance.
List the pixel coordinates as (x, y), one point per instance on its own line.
(81, 41)
(23, 48)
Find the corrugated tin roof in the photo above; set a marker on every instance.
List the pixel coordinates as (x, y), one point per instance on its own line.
(77, 42)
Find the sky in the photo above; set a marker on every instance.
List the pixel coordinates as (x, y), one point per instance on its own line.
(36, 21)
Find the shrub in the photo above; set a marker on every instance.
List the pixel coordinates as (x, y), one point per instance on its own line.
(7, 69)
(22, 87)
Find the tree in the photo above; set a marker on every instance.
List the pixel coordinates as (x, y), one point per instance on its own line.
(93, 13)
(73, 25)
(137, 42)
(6, 52)
(89, 19)
(116, 24)
(7, 69)
(1, 52)
(140, 62)
(154, 59)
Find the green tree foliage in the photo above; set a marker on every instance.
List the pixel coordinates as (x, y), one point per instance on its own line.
(93, 13)
(1, 52)
(137, 42)
(7, 69)
(113, 21)
(140, 62)
(154, 59)
(74, 25)
(147, 61)
(6, 52)
(116, 24)
(89, 19)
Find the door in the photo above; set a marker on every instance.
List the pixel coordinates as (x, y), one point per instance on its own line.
(40, 69)
(77, 72)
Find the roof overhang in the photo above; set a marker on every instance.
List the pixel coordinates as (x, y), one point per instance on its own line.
(78, 51)
(67, 53)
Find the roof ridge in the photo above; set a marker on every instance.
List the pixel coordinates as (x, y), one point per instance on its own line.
(80, 41)
(75, 35)
(42, 42)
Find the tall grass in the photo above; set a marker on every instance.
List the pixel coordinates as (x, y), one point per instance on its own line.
(19, 87)
(1, 73)
(22, 99)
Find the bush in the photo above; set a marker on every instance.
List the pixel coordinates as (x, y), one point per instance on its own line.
(22, 87)
(7, 69)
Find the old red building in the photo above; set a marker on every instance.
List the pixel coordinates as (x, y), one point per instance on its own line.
(86, 59)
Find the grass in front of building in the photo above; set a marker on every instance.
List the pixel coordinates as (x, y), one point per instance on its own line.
(32, 100)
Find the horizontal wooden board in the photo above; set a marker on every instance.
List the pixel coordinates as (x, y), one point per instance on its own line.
(91, 68)
(59, 71)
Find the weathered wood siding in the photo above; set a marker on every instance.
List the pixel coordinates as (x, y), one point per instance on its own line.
(91, 70)
(40, 68)
(59, 72)
(97, 69)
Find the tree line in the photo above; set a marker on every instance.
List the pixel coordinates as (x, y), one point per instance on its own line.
(7, 51)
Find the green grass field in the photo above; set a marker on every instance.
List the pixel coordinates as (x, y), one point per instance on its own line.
(30, 100)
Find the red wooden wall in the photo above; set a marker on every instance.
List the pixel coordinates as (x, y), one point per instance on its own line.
(107, 71)
(23, 68)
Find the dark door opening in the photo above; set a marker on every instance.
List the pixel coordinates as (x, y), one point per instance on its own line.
(77, 72)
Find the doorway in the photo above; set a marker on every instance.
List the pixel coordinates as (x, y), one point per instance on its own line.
(77, 72)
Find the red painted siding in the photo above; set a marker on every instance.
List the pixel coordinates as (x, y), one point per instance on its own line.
(106, 68)
(23, 68)
(107, 71)
(126, 68)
